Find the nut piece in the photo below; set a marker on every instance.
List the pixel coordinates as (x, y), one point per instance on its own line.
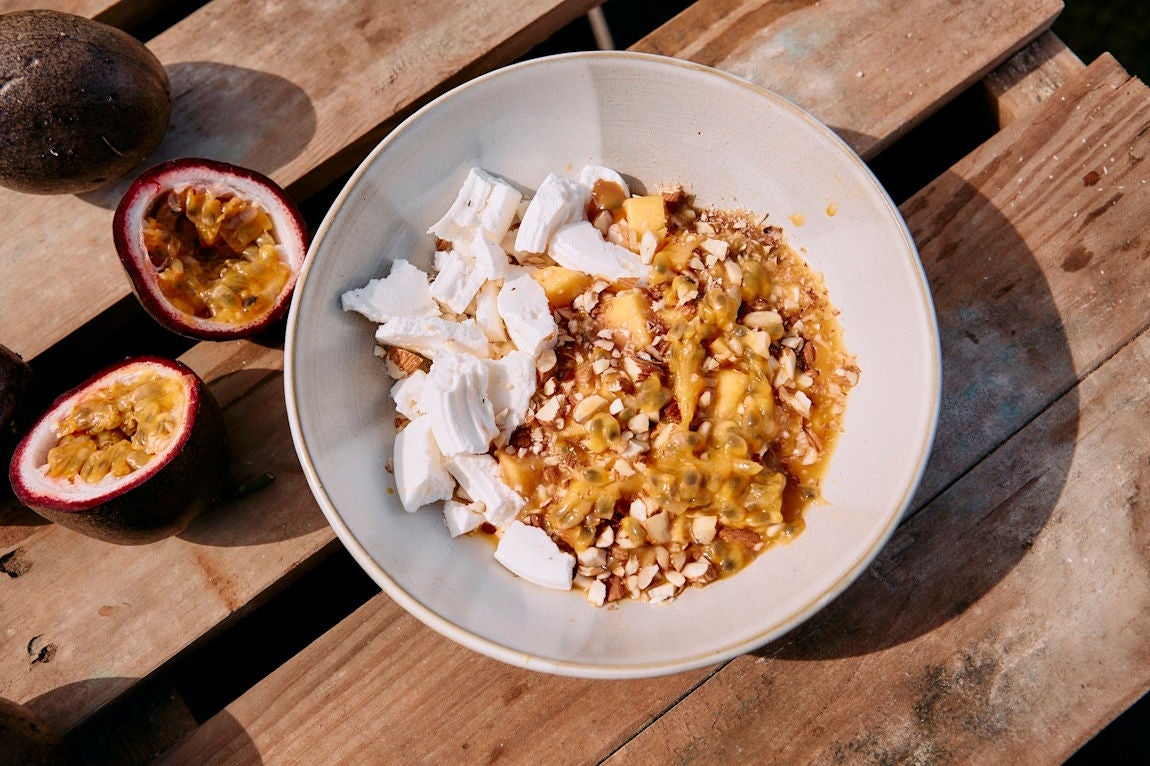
(406, 361)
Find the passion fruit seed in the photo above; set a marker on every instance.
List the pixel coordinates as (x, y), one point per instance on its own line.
(117, 429)
(216, 256)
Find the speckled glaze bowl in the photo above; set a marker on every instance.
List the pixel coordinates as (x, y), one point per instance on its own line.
(661, 121)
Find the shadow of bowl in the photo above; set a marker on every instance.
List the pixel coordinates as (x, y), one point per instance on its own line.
(1006, 360)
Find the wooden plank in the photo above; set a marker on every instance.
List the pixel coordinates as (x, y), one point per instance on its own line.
(367, 709)
(871, 69)
(969, 547)
(1006, 624)
(1032, 245)
(1029, 77)
(264, 101)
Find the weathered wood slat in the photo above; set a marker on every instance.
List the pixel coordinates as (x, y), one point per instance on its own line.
(1030, 76)
(84, 620)
(266, 102)
(222, 563)
(89, 8)
(971, 617)
(837, 70)
(377, 711)
(1064, 197)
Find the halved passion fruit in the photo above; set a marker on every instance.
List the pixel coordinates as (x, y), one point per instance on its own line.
(132, 455)
(212, 250)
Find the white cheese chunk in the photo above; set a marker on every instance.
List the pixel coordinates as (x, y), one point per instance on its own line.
(404, 292)
(559, 201)
(510, 387)
(461, 518)
(487, 313)
(526, 313)
(407, 393)
(420, 476)
(592, 173)
(478, 476)
(530, 553)
(581, 247)
(489, 258)
(484, 204)
(455, 396)
(431, 336)
(457, 282)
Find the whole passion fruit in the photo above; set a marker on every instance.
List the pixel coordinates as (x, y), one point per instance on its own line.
(82, 103)
(25, 739)
(15, 377)
(212, 250)
(130, 456)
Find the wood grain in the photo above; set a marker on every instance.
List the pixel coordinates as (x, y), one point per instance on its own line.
(385, 688)
(874, 72)
(125, 14)
(1012, 607)
(266, 102)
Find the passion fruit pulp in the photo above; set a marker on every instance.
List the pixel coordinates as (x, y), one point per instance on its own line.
(130, 456)
(83, 103)
(212, 250)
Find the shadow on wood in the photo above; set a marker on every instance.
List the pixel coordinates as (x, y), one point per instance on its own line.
(233, 114)
(1005, 358)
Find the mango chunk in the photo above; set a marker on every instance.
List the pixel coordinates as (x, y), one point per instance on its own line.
(629, 311)
(646, 214)
(730, 390)
(561, 285)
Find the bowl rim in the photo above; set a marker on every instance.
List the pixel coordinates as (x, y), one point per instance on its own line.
(584, 669)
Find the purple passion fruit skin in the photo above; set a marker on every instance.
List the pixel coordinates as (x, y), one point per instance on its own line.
(154, 501)
(83, 103)
(15, 377)
(209, 289)
(27, 740)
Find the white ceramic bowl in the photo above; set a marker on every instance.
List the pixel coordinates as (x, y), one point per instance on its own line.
(661, 121)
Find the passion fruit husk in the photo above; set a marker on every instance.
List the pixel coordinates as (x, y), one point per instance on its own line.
(155, 501)
(27, 740)
(83, 103)
(153, 188)
(15, 379)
